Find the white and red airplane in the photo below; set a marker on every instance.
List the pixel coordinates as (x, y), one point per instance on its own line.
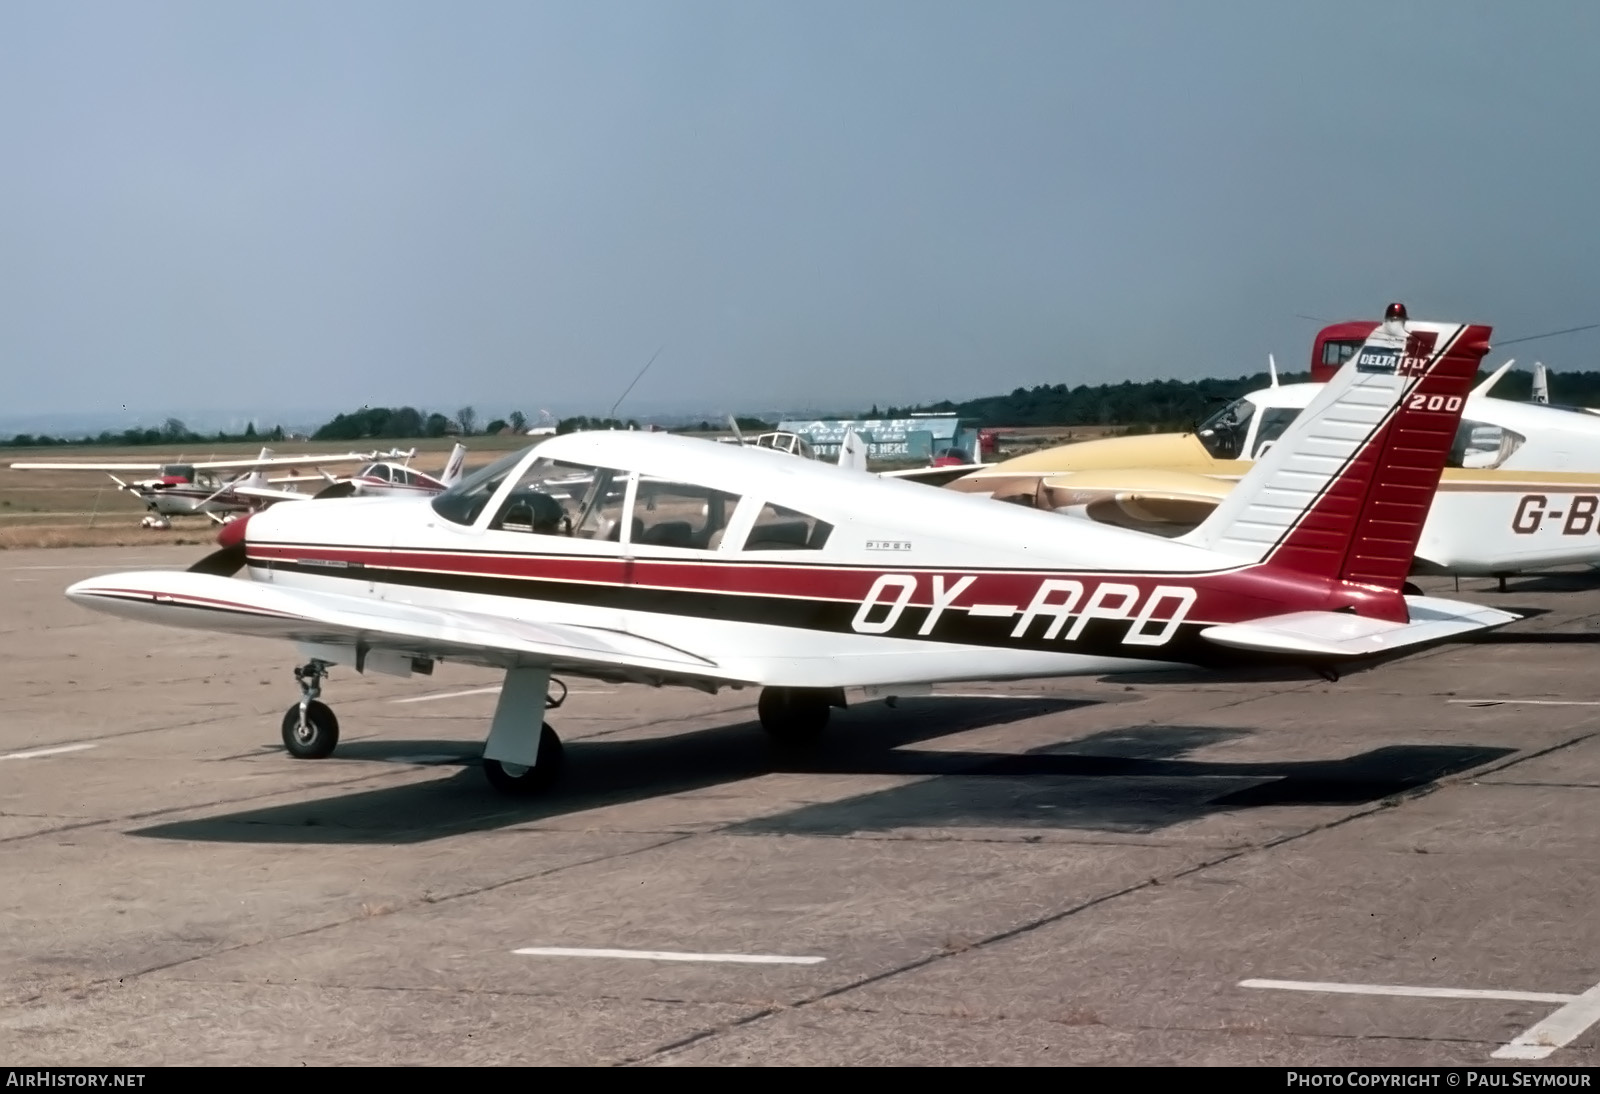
(204, 488)
(687, 562)
(386, 478)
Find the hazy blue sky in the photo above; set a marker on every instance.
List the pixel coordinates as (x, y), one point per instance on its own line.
(513, 205)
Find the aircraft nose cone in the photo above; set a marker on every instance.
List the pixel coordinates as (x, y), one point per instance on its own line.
(232, 534)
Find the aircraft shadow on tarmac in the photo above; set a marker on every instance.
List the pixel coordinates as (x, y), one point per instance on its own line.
(1124, 780)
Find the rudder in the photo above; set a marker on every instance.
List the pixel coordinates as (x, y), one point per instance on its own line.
(1344, 493)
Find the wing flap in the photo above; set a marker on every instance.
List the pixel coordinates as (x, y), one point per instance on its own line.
(230, 605)
(1343, 636)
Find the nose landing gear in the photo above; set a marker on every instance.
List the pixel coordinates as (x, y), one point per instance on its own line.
(310, 730)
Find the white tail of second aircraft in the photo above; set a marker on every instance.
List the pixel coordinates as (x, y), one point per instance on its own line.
(453, 466)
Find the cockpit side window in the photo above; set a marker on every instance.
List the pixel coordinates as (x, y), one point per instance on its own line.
(1274, 420)
(677, 514)
(464, 502)
(1479, 445)
(552, 498)
(780, 529)
(379, 471)
(1223, 434)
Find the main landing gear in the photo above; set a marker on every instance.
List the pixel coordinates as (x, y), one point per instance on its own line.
(522, 756)
(797, 716)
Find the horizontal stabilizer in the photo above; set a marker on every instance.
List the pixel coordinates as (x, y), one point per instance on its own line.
(1341, 635)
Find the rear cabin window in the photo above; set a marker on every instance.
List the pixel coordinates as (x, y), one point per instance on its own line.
(679, 514)
(780, 529)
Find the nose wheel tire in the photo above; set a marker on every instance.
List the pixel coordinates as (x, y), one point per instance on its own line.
(316, 737)
(519, 781)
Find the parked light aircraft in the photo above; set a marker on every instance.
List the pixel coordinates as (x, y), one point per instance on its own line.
(388, 478)
(686, 562)
(204, 488)
(1520, 492)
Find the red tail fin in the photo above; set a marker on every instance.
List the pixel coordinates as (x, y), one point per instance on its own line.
(1344, 493)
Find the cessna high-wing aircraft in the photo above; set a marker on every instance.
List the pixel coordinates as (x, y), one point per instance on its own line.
(1520, 490)
(687, 562)
(387, 478)
(205, 488)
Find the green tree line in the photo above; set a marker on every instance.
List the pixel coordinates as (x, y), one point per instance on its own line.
(1156, 404)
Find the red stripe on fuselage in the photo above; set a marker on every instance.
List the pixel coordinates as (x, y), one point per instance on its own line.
(1224, 597)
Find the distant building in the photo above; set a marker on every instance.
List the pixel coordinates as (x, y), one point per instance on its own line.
(916, 438)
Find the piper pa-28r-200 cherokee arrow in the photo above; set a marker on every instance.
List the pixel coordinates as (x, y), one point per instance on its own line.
(669, 560)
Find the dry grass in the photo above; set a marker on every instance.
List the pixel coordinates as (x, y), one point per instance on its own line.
(86, 509)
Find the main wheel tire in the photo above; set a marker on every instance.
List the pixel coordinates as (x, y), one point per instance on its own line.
(519, 781)
(317, 738)
(793, 716)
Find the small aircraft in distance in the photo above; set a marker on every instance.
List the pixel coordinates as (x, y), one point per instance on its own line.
(392, 477)
(691, 563)
(1520, 490)
(202, 488)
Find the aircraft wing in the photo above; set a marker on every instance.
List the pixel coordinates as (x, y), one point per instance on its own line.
(281, 461)
(230, 605)
(266, 493)
(87, 466)
(1342, 635)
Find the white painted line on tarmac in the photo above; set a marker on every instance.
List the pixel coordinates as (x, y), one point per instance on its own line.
(447, 695)
(1527, 702)
(668, 955)
(1416, 992)
(1561, 1028)
(56, 751)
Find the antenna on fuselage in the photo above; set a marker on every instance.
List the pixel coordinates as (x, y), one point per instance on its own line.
(1272, 369)
(612, 413)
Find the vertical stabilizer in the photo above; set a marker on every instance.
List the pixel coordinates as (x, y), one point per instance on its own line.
(1345, 491)
(454, 465)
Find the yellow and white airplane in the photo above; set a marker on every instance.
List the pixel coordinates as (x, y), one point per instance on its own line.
(1520, 490)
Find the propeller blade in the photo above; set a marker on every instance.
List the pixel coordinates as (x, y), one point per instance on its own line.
(223, 562)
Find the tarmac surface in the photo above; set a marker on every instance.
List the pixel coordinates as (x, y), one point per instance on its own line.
(1397, 868)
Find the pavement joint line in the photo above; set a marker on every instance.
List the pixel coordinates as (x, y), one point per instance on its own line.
(357, 918)
(1390, 802)
(1526, 702)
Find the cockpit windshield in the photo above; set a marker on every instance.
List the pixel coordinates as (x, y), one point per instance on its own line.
(464, 502)
(1223, 433)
